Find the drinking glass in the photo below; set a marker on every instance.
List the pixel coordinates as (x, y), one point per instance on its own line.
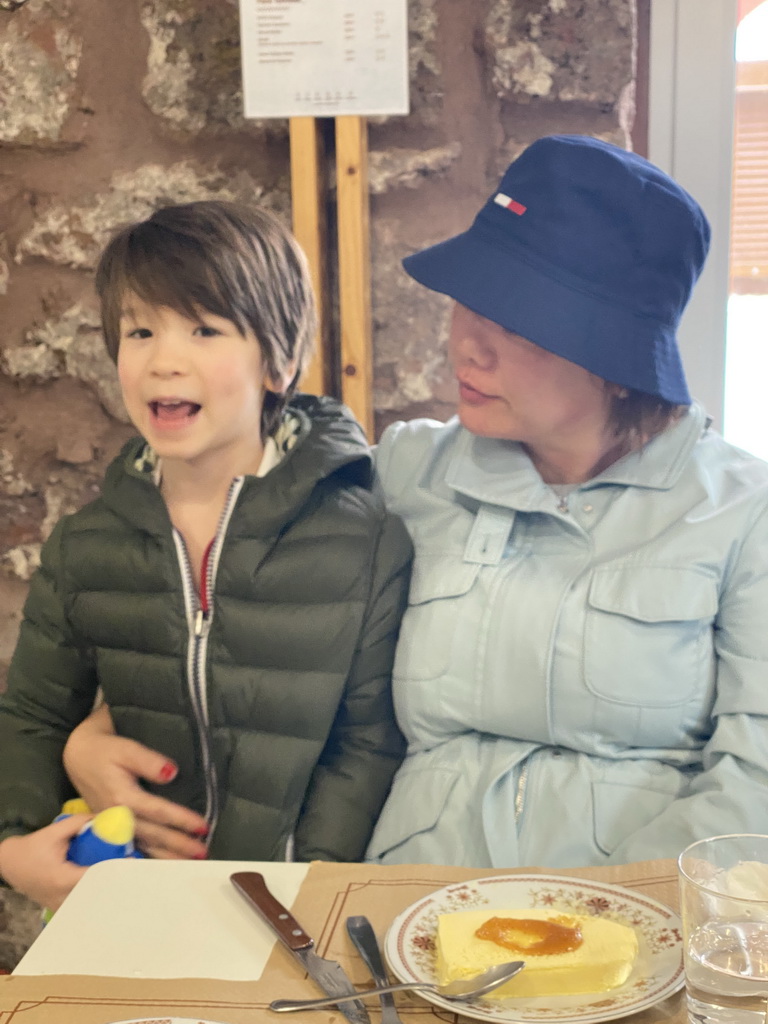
(724, 904)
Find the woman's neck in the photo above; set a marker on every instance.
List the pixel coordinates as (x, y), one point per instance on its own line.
(578, 464)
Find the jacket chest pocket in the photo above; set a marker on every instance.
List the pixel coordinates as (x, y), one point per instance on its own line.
(648, 634)
(437, 609)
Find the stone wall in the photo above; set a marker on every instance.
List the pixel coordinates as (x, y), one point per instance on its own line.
(108, 109)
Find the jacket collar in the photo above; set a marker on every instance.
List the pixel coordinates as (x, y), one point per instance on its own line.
(501, 472)
(329, 442)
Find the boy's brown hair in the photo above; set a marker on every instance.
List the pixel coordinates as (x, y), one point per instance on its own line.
(223, 258)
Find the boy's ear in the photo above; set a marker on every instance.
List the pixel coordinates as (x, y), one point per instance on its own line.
(280, 382)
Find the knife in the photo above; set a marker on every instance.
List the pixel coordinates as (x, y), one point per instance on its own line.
(327, 974)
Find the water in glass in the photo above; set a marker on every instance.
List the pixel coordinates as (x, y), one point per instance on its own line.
(727, 973)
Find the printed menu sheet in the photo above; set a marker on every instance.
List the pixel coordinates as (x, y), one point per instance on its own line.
(324, 58)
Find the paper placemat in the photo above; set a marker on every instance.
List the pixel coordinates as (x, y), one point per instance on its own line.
(78, 999)
(329, 894)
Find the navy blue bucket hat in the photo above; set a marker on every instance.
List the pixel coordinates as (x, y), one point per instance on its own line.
(587, 250)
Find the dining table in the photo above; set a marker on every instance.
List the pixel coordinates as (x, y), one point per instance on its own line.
(164, 940)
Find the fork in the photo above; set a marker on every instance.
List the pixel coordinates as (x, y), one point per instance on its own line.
(361, 933)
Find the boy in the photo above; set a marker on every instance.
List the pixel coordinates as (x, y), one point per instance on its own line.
(237, 588)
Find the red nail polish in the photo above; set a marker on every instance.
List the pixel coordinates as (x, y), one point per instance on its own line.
(201, 856)
(201, 833)
(168, 771)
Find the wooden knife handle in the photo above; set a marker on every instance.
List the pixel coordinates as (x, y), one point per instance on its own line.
(252, 885)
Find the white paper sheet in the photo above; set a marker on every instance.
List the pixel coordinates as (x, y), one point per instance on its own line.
(162, 919)
(324, 58)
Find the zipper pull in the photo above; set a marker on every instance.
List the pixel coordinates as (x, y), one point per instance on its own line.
(201, 620)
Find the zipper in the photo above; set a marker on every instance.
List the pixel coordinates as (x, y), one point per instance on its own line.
(522, 781)
(199, 612)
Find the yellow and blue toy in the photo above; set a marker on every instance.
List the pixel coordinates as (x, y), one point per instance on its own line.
(107, 836)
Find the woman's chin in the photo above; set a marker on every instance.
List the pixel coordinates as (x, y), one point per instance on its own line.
(477, 421)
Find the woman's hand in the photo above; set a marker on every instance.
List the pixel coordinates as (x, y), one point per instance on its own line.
(37, 865)
(106, 768)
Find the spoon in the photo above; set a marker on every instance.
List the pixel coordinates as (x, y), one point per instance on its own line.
(462, 990)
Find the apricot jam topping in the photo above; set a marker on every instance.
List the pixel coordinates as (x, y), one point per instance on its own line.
(532, 937)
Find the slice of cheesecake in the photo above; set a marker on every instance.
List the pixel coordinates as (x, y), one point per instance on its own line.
(564, 953)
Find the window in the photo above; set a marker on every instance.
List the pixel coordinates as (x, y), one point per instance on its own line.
(746, 376)
(708, 128)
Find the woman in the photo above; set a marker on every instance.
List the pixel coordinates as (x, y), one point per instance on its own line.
(581, 670)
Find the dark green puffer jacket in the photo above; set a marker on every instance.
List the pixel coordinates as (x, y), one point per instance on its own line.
(279, 711)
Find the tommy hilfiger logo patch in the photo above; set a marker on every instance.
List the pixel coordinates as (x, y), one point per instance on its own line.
(509, 204)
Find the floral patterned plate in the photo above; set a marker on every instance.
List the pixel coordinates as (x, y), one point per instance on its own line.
(658, 972)
(167, 1020)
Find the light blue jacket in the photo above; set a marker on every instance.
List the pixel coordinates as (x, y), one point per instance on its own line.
(581, 680)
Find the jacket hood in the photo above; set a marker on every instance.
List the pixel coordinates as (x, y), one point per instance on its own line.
(330, 442)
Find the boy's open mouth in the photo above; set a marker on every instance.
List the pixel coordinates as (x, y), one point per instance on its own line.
(173, 412)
